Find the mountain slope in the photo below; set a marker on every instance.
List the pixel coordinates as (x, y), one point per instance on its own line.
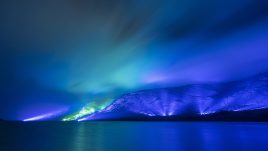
(199, 100)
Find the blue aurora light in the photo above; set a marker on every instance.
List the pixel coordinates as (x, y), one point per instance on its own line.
(104, 59)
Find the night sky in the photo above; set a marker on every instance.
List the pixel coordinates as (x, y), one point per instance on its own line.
(56, 57)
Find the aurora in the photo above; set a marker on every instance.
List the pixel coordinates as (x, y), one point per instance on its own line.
(134, 75)
(87, 56)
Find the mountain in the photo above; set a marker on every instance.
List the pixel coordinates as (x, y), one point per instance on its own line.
(195, 101)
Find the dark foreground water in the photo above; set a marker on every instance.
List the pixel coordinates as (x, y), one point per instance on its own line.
(134, 136)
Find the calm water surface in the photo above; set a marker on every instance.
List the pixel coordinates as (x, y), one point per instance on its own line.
(134, 136)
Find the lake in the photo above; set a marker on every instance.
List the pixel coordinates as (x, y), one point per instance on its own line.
(133, 136)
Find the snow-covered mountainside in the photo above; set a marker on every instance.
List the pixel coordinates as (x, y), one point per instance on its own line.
(199, 99)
